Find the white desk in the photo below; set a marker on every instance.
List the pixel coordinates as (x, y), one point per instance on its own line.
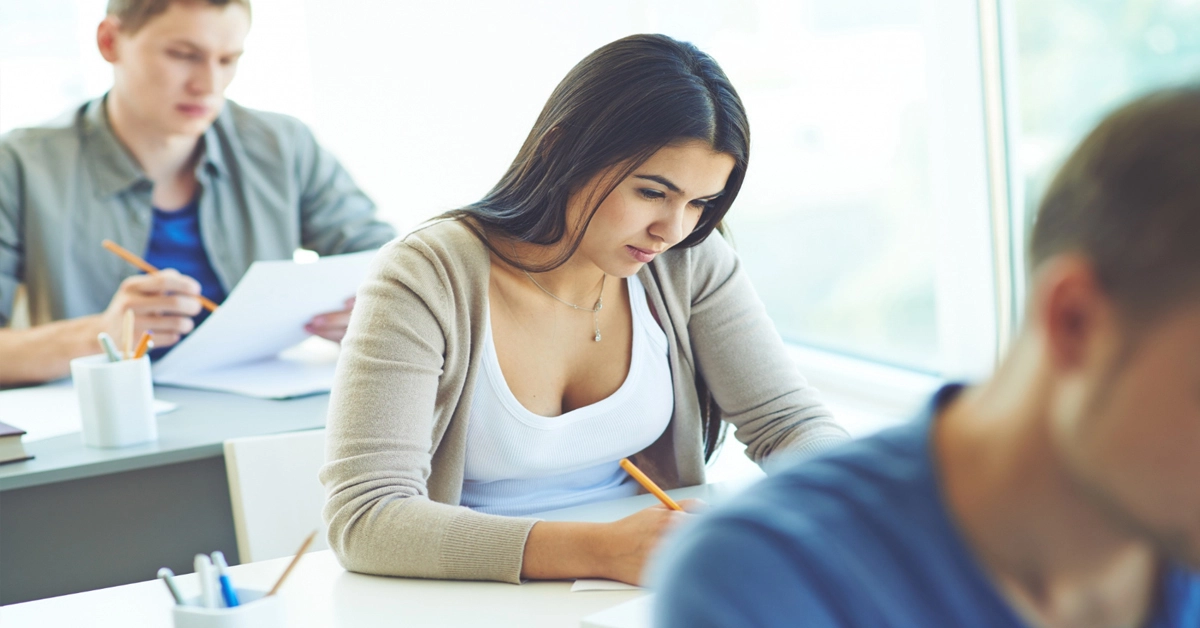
(77, 518)
(319, 593)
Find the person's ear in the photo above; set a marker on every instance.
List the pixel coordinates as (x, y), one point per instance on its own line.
(1072, 310)
(106, 38)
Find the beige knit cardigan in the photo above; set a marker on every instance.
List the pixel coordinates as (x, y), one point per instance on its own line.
(397, 428)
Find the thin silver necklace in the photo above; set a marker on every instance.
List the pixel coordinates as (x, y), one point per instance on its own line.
(595, 310)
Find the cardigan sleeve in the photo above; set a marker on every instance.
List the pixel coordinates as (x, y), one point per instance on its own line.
(383, 432)
(745, 365)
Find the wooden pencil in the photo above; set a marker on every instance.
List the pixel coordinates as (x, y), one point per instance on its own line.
(148, 268)
(649, 484)
(292, 565)
(142, 345)
(127, 335)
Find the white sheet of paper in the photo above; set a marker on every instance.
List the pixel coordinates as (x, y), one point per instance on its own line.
(264, 315)
(273, 378)
(636, 613)
(50, 410)
(600, 584)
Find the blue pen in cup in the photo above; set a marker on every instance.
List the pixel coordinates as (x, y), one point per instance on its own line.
(227, 592)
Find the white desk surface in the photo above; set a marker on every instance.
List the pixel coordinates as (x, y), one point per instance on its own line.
(320, 593)
(197, 429)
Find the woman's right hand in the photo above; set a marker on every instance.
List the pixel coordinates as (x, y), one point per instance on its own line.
(628, 543)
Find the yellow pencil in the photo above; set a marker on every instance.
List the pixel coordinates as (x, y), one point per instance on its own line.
(148, 268)
(142, 346)
(649, 484)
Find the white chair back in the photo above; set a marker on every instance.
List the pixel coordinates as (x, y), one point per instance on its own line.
(276, 496)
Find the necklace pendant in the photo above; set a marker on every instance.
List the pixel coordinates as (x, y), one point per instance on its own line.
(597, 336)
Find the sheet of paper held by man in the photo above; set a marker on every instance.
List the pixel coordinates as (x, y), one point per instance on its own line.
(243, 347)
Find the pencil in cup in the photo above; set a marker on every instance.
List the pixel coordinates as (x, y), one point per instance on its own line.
(145, 266)
(127, 336)
(649, 484)
(292, 565)
(143, 345)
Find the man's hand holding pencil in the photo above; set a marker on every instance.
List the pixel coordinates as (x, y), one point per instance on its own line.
(162, 304)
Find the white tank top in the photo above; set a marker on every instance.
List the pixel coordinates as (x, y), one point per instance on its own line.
(518, 462)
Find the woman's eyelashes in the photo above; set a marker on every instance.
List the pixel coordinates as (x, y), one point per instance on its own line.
(655, 195)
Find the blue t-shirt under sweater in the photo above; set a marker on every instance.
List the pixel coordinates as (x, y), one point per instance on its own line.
(859, 537)
(175, 242)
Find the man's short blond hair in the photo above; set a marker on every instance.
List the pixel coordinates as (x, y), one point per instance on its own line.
(134, 14)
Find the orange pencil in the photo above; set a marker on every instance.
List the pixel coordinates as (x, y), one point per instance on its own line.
(292, 565)
(142, 346)
(649, 484)
(144, 266)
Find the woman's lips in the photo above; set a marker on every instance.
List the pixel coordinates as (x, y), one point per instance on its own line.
(642, 255)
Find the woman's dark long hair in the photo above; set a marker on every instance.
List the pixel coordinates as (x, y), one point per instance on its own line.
(622, 103)
(618, 106)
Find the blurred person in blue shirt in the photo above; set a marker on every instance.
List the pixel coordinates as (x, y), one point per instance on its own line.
(1064, 492)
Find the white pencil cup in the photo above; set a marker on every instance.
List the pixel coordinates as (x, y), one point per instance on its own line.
(116, 400)
(256, 610)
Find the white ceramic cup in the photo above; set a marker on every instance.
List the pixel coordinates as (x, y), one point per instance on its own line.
(116, 400)
(255, 610)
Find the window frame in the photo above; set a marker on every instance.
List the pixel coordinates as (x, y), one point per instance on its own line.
(973, 293)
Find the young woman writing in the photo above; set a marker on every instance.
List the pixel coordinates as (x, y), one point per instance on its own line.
(501, 361)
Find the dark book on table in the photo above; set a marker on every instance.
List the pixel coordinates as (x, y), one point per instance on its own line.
(11, 447)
